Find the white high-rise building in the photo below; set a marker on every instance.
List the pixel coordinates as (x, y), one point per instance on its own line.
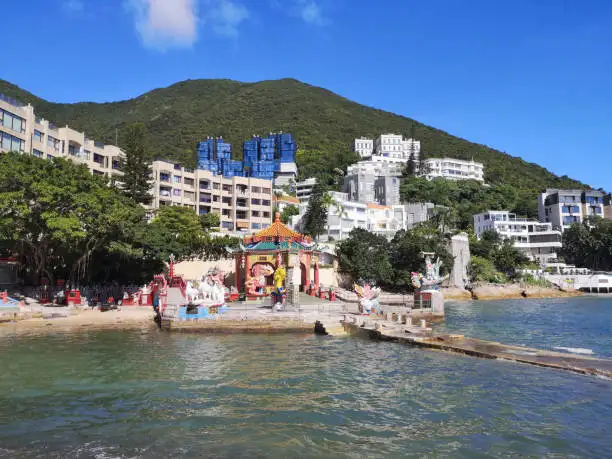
(563, 208)
(388, 148)
(364, 146)
(539, 241)
(452, 169)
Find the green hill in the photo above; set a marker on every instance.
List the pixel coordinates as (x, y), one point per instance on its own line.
(323, 123)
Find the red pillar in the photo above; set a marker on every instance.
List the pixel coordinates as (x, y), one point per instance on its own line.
(238, 279)
(316, 275)
(247, 269)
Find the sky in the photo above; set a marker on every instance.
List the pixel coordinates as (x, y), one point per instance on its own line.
(532, 78)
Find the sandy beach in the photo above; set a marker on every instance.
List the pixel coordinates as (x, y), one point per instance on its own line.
(132, 317)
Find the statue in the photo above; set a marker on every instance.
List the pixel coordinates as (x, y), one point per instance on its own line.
(432, 279)
(368, 298)
(257, 282)
(278, 295)
(212, 287)
(191, 292)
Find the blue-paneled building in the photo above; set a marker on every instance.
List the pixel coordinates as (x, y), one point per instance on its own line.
(271, 158)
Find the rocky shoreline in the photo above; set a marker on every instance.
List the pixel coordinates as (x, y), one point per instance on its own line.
(506, 292)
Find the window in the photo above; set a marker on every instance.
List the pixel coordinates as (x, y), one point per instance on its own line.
(255, 213)
(11, 121)
(241, 215)
(266, 214)
(38, 153)
(256, 225)
(53, 143)
(216, 186)
(256, 189)
(51, 156)
(266, 190)
(227, 225)
(176, 179)
(12, 143)
(38, 136)
(256, 201)
(204, 185)
(215, 198)
(227, 188)
(265, 202)
(176, 192)
(177, 167)
(226, 200)
(225, 212)
(188, 181)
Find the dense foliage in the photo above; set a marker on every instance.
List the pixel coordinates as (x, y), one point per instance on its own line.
(389, 264)
(63, 222)
(288, 212)
(59, 218)
(589, 245)
(136, 164)
(323, 123)
(468, 197)
(494, 259)
(314, 221)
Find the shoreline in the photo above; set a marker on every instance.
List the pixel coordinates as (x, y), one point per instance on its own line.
(76, 320)
(492, 292)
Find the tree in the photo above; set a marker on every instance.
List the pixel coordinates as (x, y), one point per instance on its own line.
(136, 164)
(288, 212)
(315, 218)
(508, 258)
(589, 244)
(210, 221)
(406, 252)
(483, 270)
(175, 230)
(59, 218)
(365, 256)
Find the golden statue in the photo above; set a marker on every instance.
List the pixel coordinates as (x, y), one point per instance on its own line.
(279, 277)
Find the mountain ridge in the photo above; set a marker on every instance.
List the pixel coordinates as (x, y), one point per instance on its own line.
(323, 122)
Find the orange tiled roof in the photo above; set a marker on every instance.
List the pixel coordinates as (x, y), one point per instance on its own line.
(277, 229)
(378, 206)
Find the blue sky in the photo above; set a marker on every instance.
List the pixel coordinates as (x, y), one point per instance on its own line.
(529, 77)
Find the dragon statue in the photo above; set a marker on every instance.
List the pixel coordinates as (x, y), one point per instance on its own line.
(432, 279)
(368, 298)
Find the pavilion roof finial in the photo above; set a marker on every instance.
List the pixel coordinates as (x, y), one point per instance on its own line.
(277, 217)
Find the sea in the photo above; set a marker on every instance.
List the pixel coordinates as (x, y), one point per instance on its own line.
(133, 394)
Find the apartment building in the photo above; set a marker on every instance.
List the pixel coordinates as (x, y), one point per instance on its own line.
(373, 182)
(21, 130)
(562, 208)
(452, 169)
(608, 207)
(243, 204)
(388, 148)
(303, 189)
(539, 241)
(364, 146)
(345, 215)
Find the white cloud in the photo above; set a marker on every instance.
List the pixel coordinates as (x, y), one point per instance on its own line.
(73, 5)
(311, 12)
(226, 16)
(164, 24)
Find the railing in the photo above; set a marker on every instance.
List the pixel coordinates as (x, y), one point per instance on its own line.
(11, 101)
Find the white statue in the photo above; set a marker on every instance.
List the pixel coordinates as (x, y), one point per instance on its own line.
(191, 292)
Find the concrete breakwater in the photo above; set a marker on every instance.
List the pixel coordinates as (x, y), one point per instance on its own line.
(402, 329)
(506, 292)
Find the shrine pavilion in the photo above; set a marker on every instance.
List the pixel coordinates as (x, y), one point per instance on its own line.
(263, 253)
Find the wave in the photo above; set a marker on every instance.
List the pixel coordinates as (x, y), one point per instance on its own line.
(576, 350)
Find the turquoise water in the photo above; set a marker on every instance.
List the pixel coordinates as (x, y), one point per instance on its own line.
(152, 394)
